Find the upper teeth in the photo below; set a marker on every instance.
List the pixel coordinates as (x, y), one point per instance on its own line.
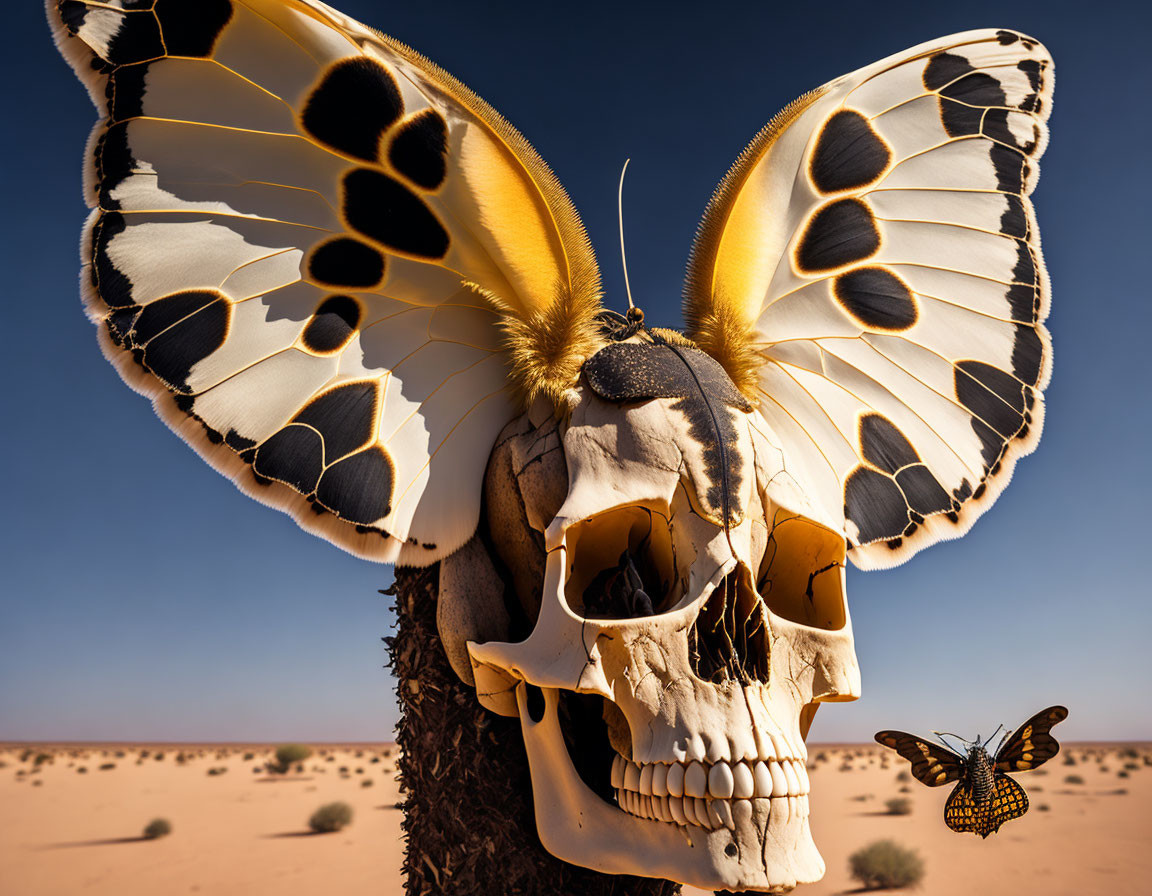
(712, 796)
(719, 780)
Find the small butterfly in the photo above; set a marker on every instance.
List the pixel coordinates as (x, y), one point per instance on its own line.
(985, 796)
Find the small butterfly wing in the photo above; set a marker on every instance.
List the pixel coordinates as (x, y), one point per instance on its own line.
(964, 814)
(1032, 744)
(314, 251)
(932, 764)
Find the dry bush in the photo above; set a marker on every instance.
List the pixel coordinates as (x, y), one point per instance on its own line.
(899, 805)
(1073, 779)
(330, 817)
(886, 864)
(288, 755)
(157, 828)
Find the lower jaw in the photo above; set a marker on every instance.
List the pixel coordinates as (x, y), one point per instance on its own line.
(767, 848)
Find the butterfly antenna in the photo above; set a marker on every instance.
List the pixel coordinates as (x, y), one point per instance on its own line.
(940, 735)
(635, 315)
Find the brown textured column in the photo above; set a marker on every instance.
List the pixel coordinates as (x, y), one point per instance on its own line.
(464, 775)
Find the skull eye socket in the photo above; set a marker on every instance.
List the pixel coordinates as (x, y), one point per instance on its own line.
(622, 565)
(801, 573)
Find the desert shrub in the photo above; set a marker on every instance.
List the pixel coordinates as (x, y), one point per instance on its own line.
(159, 757)
(821, 756)
(1069, 759)
(374, 759)
(1073, 779)
(899, 805)
(367, 782)
(81, 770)
(330, 817)
(107, 766)
(1121, 774)
(903, 777)
(41, 758)
(288, 755)
(861, 797)
(248, 757)
(37, 783)
(217, 771)
(1131, 766)
(1043, 807)
(1129, 753)
(905, 789)
(181, 758)
(886, 864)
(157, 828)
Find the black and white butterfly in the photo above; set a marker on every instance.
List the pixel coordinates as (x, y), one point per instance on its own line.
(985, 796)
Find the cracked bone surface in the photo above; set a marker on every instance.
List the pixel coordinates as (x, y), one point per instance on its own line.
(664, 648)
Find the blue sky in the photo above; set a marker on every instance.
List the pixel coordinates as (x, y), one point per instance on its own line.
(145, 598)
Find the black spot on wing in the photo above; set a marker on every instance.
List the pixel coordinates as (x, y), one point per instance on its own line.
(359, 488)
(237, 442)
(1014, 220)
(355, 103)
(840, 233)
(1006, 38)
(924, 494)
(191, 29)
(1027, 354)
(883, 445)
(975, 89)
(113, 160)
(120, 323)
(125, 91)
(849, 154)
(72, 14)
(112, 284)
(1025, 269)
(418, 149)
(346, 263)
(1011, 168)
(345, 417)
(624, 372)
(876, 298)
(163, 313)
(173, 353)
(386, 211)
(332, 326)
(984, 391)
(944, 68)
(875, 504)
(295, 455)
(1022, 302)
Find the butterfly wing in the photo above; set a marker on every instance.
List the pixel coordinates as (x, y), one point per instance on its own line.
(964, 814)
(1032, 744)
(932, 764)
(328, 263)
(870, 272)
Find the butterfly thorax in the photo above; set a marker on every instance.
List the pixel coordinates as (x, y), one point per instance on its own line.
(980, 773)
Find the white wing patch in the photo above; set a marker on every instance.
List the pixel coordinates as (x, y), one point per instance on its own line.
(901, 334)
(282, 234)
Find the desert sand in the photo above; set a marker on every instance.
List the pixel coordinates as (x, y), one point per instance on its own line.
(239, 829)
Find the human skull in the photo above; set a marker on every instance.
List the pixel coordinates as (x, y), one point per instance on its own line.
(676, 617)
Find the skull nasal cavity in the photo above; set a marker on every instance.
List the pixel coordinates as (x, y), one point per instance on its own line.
(729, 640)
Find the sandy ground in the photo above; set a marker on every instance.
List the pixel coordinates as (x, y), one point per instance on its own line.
(244, 831)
